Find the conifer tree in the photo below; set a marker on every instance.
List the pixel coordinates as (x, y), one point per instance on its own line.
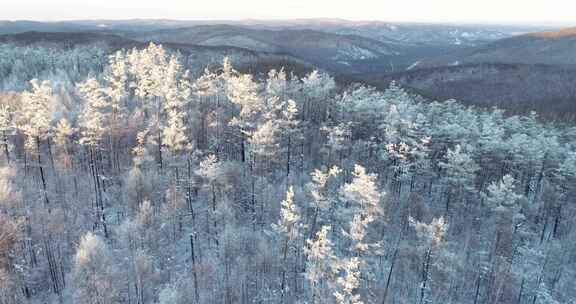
(35, 122)
(6, 129)
(433, 236)
(93, 272)
(320, 264)
(288, 228)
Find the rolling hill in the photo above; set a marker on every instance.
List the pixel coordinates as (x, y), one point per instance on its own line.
(341, 46)
(518, 88)
(197, 57)
(552, 47)
(328, 50)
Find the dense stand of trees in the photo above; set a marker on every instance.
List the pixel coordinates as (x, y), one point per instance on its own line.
(142, 184)
(19, 64)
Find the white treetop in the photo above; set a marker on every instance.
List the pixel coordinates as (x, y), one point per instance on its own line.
(92, 272)
(94, 115)
(318, 186)
(364, 191)
(243, 92)
(6, 123)
(117, 81)
(318, 84)
(460, 166)
(347, 284)
(276, 84)
(63, 132)
(321, 257)
(263, 140)
(36, 115)
(289, 214)
(502, 195)
(209, 168)
(433, 233)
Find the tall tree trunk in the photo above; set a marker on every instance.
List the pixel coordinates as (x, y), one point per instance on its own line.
(5, 144)
(425, 270)
(194, 275)
(288, 150)
(388, 279)
(46, 200)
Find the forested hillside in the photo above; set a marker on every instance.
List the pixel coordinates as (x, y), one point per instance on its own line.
(67, 58)
(550, 90)
(144, 183)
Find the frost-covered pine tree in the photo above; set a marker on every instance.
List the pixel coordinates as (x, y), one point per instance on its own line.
(318, 186)
(502, 195)
(365, 199)
(276, 83)
(35, 122)
(93, 124)
(137, 188)
(460, 166)
(117, 80)
(94, 117)
(348, 283)
(7, 128)
(320, 265)
(117, 90)
(263, 140)
(147, 66)
(364, 192)
(288, 228)
(174, 135)
(243, 92)
(10, 193)
(210, 170)
(289, 215)
(502, 198)
(10, 235)
(63, 133)
(316, 86)
(289, 124)
(433, 237)
(35, 116)
(431, 234)
(322, 200)
(93, 272)
(176, 92)
(338, 139)
(140, 151)
(459, 171)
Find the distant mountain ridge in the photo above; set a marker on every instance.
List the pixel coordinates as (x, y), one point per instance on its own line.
(563, 33)
(64, 39)
(342, 46)
(328, 50)
(198, 56)
(402, 32)
(550, 47)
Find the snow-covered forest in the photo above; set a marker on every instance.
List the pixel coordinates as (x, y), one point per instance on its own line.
(142, 183)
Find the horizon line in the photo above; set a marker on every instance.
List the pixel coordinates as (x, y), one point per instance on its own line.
(281, 19)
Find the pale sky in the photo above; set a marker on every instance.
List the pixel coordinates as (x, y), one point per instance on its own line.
(493, 11)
